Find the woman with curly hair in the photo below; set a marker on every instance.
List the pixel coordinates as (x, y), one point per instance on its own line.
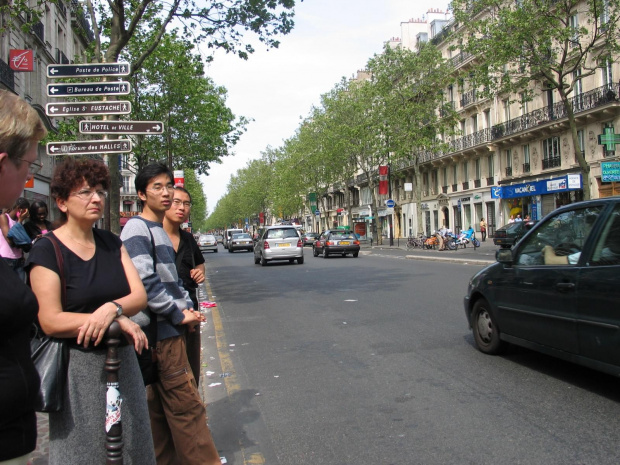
(102, 285)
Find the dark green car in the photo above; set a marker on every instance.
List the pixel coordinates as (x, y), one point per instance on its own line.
(557, 290)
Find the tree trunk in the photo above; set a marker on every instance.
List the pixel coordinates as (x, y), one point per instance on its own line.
(579, 155)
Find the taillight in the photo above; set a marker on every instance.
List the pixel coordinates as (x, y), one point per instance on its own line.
(329, 243)
(266, 245)
(356, 242)
(299, 244)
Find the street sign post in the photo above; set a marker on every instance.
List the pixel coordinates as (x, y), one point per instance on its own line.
(121, 107)
(317, 212)
(88, 70)
(121, 127)
(88, 89)
(88, 147)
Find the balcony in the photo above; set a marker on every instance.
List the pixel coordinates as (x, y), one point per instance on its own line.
(7, 75)
(490, 181)
(552, 162)
(468, 98)
(39, 31)
(62, 9)
(460, 59)
(79, 21)
(455, 187)
(466, 185)
(476, 182)
(509, 171)
(526, 167)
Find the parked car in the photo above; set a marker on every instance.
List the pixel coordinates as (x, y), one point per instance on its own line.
(309, 238)
(242, 241)
(219, 238)
(336, 242)
(557, 290)
(509, 234)
(228, 233)
(207, 242)
(280, 242)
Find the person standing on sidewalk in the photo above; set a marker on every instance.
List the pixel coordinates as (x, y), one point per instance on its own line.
(21, 129)
(190, 265)
(178, 416)
(14, 256)
(483, 229)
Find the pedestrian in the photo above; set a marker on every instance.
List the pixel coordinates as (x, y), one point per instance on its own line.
(190, 265)
(512, 219)
(518, 219)
(102, 285)
(37, 223)
(178, 416)
(13, 254)
(483, 229)
(21, 129)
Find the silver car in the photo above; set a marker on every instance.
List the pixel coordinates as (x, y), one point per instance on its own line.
(242, 241)
(207, 242)
(279, 243)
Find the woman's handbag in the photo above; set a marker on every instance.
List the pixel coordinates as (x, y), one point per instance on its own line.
(50, 355)
(20, 238)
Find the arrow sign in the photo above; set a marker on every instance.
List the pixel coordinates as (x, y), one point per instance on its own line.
(120, 107)
(88, 70)
(88, 147)
(121, 127)
(85, 88)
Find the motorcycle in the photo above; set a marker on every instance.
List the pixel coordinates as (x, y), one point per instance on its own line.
(467, 237)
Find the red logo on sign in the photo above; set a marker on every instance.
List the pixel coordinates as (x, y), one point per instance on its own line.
(21, 60)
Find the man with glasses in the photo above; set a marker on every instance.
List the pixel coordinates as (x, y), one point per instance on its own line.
(178, 416)
(189, 262)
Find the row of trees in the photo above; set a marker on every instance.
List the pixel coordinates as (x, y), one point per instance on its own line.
(399, 114)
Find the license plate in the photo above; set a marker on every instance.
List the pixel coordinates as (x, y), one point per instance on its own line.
(283, 245)
(345, 243)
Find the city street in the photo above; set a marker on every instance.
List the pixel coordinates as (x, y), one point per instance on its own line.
(369, 360)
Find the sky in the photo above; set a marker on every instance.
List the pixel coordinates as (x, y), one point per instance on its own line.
(277, 88)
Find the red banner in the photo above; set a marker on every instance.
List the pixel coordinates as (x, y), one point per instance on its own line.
(383, 180)
(21, 60)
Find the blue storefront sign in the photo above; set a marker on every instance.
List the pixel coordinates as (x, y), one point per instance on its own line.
(569, 182)
(610, 171)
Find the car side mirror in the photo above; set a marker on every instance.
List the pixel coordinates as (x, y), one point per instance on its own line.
(504, 256)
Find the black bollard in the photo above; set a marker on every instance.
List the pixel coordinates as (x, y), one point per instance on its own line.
(113, 426)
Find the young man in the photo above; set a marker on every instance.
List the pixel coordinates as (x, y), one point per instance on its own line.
(190, 264)
(178, 416)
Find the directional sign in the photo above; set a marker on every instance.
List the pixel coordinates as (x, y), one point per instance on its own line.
(88, 88)
(88, 147)
(121, 127)
(120, 107)
(88, 69)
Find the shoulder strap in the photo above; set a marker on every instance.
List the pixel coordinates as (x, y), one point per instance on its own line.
(61, 269)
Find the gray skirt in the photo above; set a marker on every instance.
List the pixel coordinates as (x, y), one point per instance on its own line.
(77, 433)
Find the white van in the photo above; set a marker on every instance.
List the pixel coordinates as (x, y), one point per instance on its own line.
(228, 235)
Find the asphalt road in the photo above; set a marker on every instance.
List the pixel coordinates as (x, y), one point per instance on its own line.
(369, 360)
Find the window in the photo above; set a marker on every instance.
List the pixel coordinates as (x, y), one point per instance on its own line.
(508, 157)
(578, 88)
(477, 168)
(126, 184)
(491, 166)
(524, 103)
(506, 104)
(487, 119)
(551, 152)
(474, 123)
(445, 176)
(455, 173)
(463, 127)
(526, 158)
(560, 240)
(604, 18)
(574, 26)
(581, 136)
(607, 76)
(465, 171)
(607, 250)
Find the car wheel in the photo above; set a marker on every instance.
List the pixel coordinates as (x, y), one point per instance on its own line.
(300, 261)
(325, 254)
(230, 250)
(344, 254)
(256, 260)
(215, 250)
(486, 332)
(315, 253)
(355, 254)
(291, 260)
(263, 262)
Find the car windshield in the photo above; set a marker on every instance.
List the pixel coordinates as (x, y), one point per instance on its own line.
(281, 233)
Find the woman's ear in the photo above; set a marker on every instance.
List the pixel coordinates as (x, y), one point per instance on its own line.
(62, 205)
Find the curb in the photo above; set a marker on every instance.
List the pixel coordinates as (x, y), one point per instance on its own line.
(467, 261)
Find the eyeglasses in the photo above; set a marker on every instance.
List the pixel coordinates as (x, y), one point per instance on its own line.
(86, 194)
(178, 202)
(33, 166)
(158, 188)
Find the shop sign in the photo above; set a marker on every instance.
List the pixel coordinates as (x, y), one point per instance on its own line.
(564, 183)
(610, 171)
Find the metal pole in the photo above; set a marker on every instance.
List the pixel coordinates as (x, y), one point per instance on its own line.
(113, 426)
(391, 214)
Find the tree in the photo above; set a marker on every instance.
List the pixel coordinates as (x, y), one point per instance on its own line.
(199, 200)
(532, 45)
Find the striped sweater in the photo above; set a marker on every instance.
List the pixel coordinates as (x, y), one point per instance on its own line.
(164, 289)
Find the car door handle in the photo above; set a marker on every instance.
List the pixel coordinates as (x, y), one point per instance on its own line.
(565, 287)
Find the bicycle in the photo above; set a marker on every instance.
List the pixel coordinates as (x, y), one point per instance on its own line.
(415, 242)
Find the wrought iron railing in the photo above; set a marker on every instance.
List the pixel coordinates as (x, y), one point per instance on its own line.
(39, 30)
(509, 171)
(465, 185)
(526, 167)
(468, 98)
(476, 182)
(490, 181)
(460, 58)
(552, 162)
(455, 187)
